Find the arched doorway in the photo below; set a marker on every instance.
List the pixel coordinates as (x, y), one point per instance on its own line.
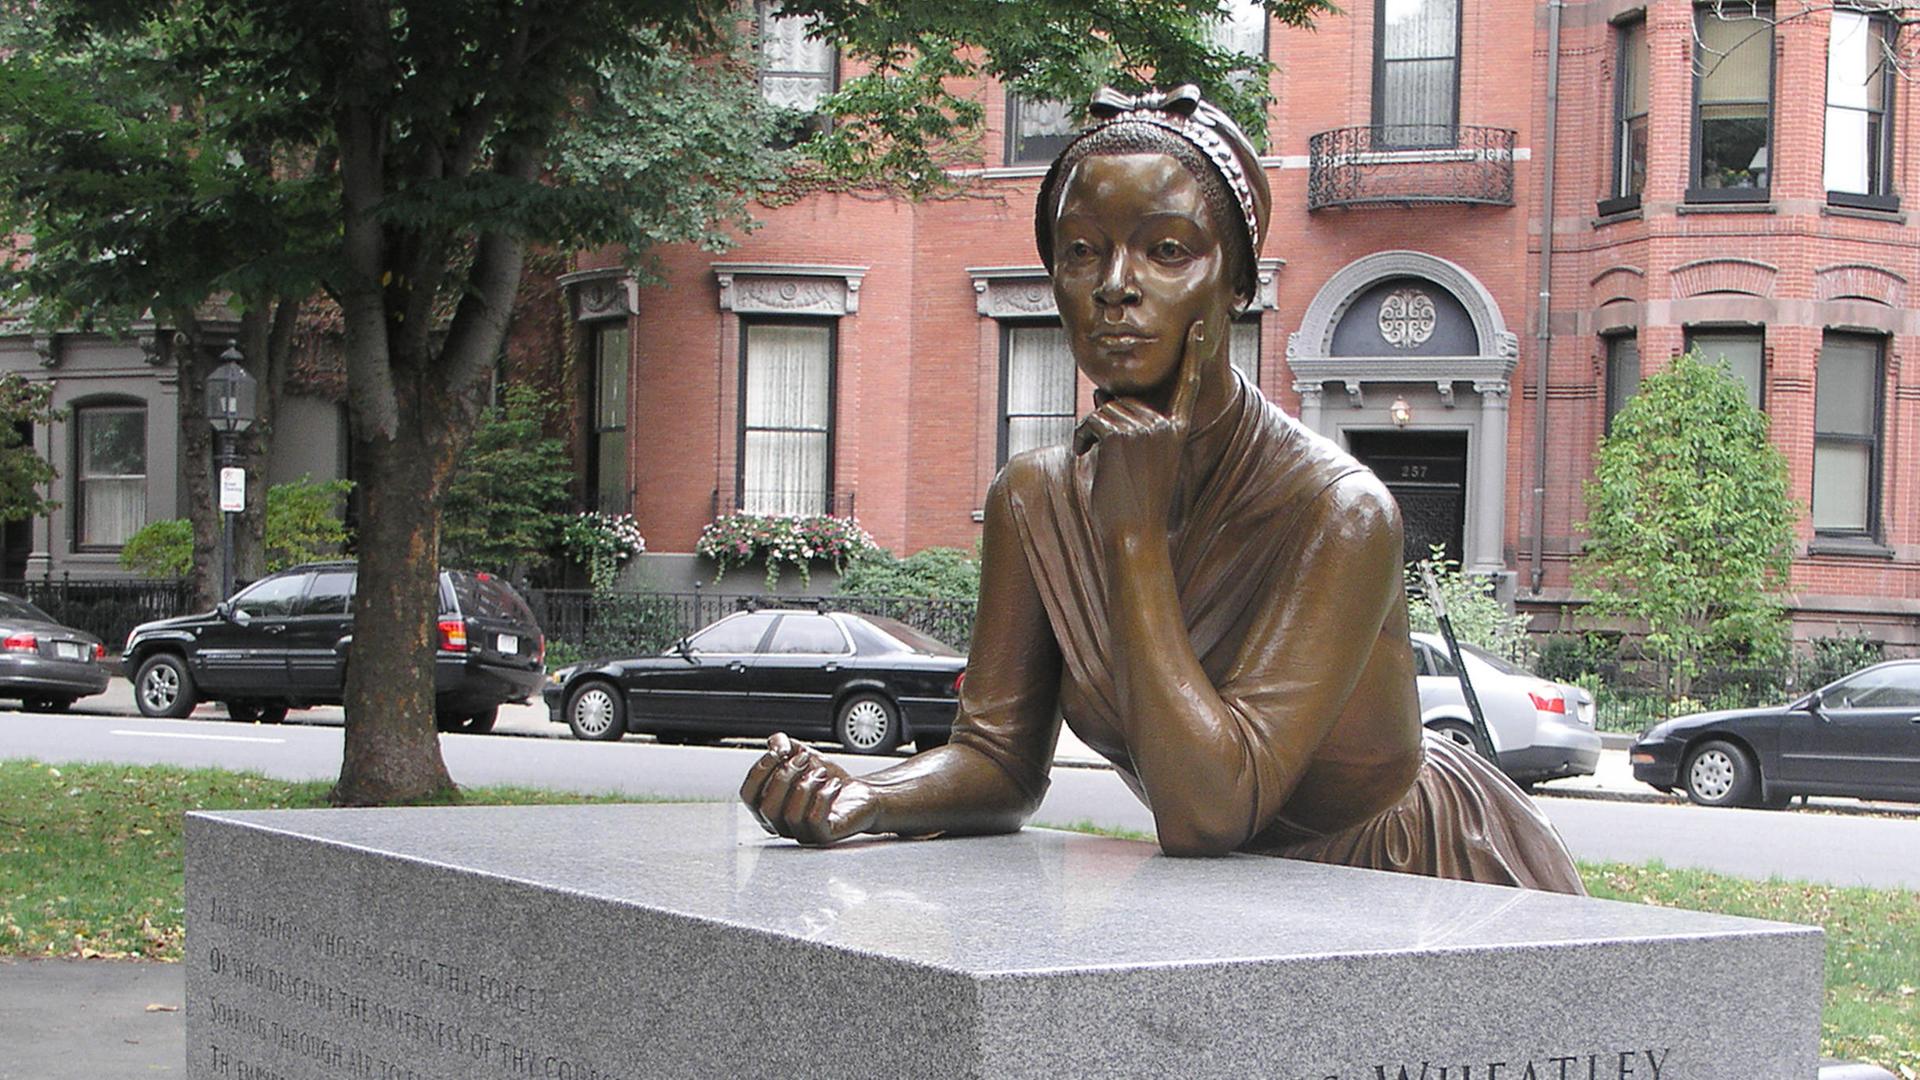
(1381, 360)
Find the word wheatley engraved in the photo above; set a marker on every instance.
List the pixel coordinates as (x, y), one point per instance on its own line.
(1406, 318)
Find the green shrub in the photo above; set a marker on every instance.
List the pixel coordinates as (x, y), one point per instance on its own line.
(933, 573)
(303, 524)
(161, 549)
(1478, 617)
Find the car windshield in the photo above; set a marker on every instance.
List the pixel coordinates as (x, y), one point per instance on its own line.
(17, 610)
(1497, 663)
(912, 639)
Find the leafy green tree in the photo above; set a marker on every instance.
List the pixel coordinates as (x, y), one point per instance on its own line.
(933, 573)
(150, 189)
(1689, 527)
(507, 501)
(303, 524)
(439, 139)
(24, 474)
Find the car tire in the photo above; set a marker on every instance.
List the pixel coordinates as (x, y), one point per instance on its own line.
(47, 704)
(867, 724)
(478, 723)
(256, 712)
(163, 688)
(1461, 734)
(595, 712)
(1718, 773)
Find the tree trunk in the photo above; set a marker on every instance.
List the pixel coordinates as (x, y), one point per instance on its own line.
(392, 745)
(196, 458)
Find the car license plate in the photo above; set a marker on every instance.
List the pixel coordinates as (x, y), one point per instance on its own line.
(69, 650)
(509, 644)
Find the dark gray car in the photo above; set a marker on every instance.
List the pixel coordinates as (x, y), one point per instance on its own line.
(46, 665)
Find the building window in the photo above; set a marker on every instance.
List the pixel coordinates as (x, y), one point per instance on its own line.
(1416, 72)
(1242, 29)
(1846, 435)
(786, 428)
(110, 474)
(1859, 161)
(1037, 389)
(1630, 116)
(1732, 103)
(1743, 352)
(797, 72)
(1623, 373)
(1243, 347)
(1036, 130)
(609, 473)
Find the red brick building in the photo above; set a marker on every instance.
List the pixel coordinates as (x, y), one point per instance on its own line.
(1724, 180)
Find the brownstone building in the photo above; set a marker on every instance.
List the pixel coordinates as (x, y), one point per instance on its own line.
(1716, 176)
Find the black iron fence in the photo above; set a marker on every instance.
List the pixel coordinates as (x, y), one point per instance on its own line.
(579, 623)
(105, 608)
(1404, 164)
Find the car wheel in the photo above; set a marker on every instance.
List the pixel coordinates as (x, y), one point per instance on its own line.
(47, 704)
(595, 713)
(1461, 734)
(1719, 774)
(163, 688)
(468, 723)
(868, 724)
(256, 712)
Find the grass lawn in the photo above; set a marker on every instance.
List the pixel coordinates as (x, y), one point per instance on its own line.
(90, 866)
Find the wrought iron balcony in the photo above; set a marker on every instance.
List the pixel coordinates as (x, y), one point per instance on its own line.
(1405, 164)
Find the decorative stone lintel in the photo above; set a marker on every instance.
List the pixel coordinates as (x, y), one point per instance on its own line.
(1012, 292)
(1431, 370)
(1266, 278)
(1309, 391)
(47, 348)
(789, 288)
(607, 293)
(1493, 393)
(1355, 398)
(1445, 386)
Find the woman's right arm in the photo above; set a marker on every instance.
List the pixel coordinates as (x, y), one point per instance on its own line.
(992, 774)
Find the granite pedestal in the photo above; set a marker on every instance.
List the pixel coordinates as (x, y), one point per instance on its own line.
(630, 942)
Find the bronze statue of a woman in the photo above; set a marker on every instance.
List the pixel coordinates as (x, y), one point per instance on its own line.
(1209, 594)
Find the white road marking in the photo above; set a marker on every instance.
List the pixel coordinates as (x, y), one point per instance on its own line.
(179, 735)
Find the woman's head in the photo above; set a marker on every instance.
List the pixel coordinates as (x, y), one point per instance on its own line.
(1149, 223)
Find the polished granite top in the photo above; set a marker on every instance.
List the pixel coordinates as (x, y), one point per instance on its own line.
(1031, 902)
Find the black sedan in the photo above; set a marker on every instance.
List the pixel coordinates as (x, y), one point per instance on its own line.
(1858, 737)
(871, 683)
(44, 664)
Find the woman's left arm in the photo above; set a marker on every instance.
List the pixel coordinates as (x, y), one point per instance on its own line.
(1219, 763)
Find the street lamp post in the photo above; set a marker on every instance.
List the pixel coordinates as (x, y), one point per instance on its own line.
(231, 398)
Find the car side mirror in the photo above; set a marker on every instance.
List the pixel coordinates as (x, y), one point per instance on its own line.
(1813, 703)
(224, 610)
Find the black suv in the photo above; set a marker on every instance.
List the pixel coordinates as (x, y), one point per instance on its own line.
(283, 643)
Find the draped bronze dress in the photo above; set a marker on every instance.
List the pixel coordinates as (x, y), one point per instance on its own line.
(1326, 748)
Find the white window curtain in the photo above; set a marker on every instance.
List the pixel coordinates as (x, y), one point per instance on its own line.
(1040, 129)
(112, 474)
(1858, 67)
(1243, 348)
(1039, 406)
(785, 466)
(611, 486)
(1242, 28)
(796, 70)
(1419, 71)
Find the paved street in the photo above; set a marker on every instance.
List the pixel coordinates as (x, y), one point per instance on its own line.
(1606, 817)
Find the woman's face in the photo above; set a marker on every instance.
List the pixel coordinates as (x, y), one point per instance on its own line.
(1136, 263)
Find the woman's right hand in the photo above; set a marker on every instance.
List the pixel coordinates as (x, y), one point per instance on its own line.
(796, 793)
